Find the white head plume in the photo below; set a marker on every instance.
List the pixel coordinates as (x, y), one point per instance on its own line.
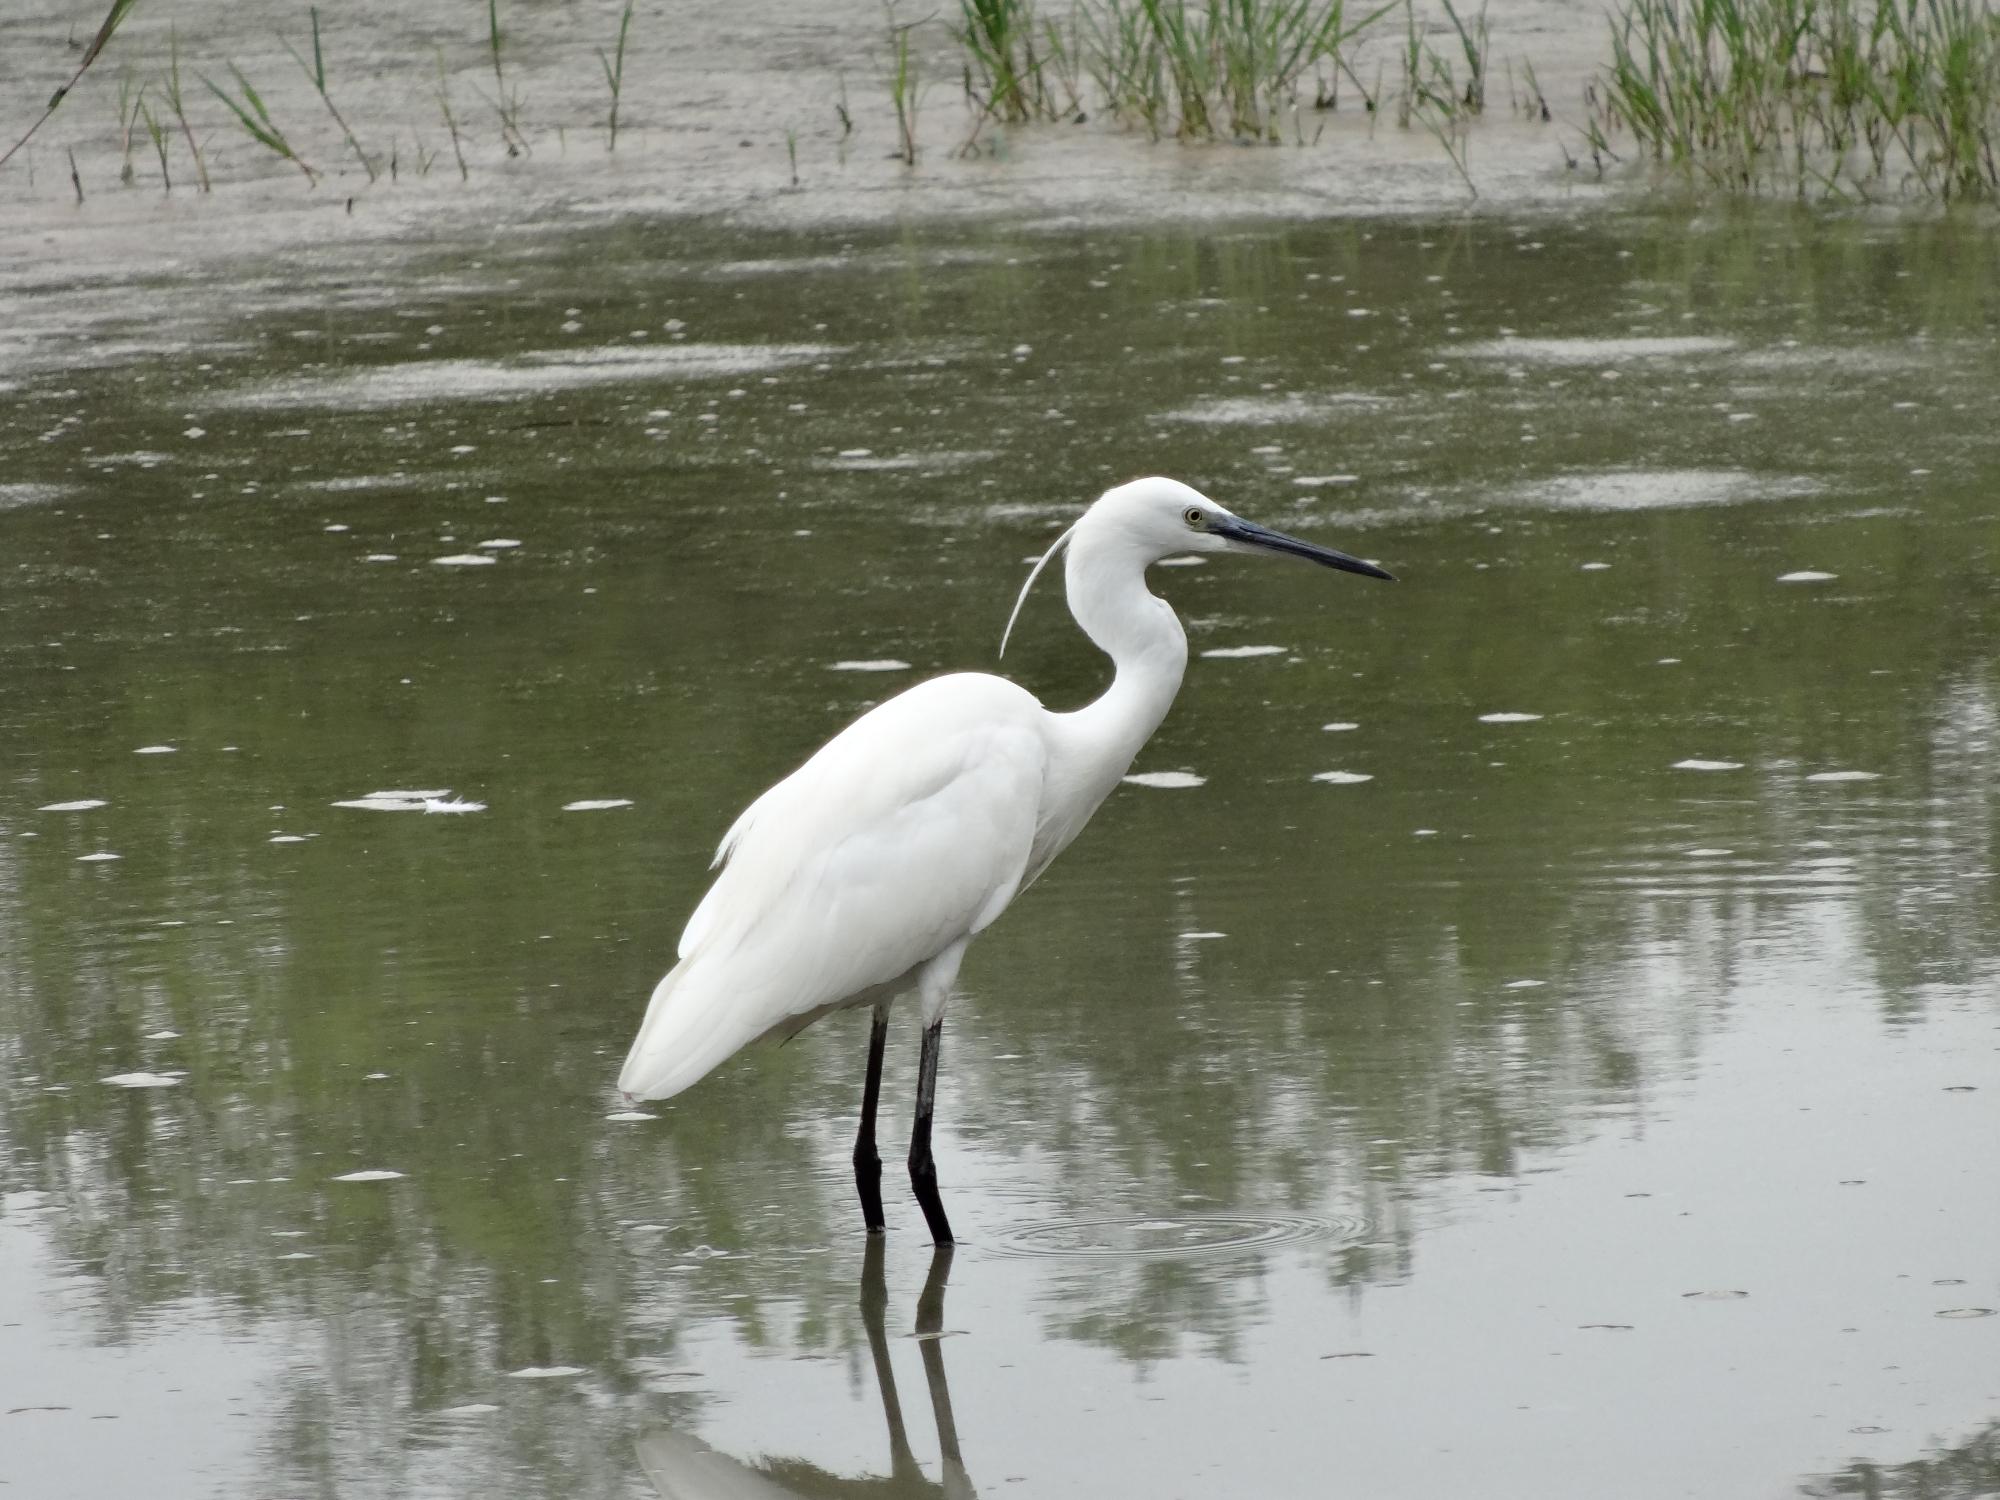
(1034, 573)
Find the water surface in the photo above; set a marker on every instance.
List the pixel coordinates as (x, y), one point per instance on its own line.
(1532, 1032)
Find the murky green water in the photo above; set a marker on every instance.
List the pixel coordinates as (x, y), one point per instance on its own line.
(1526, 1110)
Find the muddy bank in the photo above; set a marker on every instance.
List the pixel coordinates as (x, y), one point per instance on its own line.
(771, 114)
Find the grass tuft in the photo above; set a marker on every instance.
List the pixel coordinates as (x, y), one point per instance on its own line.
(1850, 98)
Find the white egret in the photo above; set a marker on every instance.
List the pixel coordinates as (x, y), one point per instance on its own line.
(865, 872)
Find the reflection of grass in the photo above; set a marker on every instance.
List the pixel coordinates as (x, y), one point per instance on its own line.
(1835, 94)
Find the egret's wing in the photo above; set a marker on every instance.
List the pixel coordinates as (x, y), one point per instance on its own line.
(908, 831)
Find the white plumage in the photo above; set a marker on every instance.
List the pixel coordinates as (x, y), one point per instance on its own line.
(866, 871)
(907, 833)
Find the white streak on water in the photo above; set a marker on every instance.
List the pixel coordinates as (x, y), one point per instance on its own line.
(434, 380)
(1807, 575)
(882, 664)
(372, 1174)
(1238, 652)
(141, 1080)
(1342, 778)
(1508, 718)
(1708, 765)
(597, 804)
(1590, 351)
(1167, 780)
(82, 804)
(1845, 776)
(462, 560)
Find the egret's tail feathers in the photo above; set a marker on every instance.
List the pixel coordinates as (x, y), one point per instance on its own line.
(688, 1031)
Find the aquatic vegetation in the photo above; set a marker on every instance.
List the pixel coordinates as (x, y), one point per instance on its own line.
(157, 134)
(1209, 69)
(614, 75)
(170, 88)
(315, 72)
(1850, 97)
(903, 87)
(112, 20)
(450, 118)
(506, 100)
(255, 118)
(129, 101)
(999, 40)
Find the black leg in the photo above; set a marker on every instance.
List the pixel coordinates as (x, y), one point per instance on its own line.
(868, 1164)
(923, 1171)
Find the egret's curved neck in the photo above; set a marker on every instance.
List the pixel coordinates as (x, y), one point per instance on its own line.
(1106, 580)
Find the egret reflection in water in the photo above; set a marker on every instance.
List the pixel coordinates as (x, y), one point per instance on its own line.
(682, 1467)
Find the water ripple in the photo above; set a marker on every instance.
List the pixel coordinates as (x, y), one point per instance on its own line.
(1176, 1236)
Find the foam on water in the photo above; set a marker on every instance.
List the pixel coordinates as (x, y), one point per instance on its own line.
(396, 801)
(1238, 653)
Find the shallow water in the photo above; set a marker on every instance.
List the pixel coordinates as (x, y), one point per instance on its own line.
(1532, 1032)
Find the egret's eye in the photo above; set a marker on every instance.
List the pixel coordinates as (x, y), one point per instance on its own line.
(1194, 517)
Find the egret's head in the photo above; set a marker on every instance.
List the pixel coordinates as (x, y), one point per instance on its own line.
(1163, 517)
(1149, 519)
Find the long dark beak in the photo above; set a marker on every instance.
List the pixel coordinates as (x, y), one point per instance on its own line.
(1251, 534)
